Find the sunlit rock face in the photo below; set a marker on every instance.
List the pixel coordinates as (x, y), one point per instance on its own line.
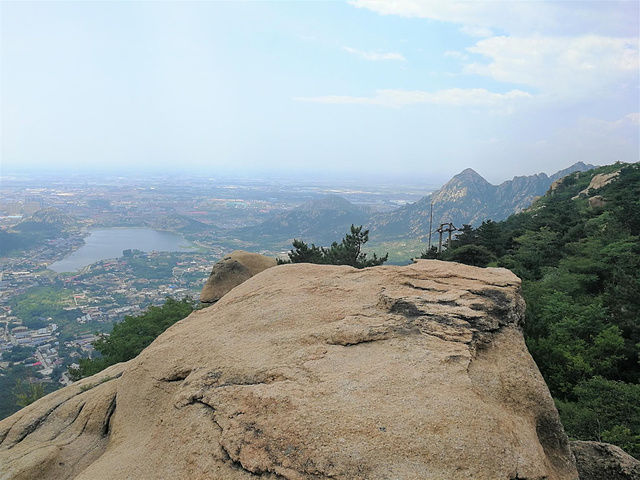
(314, 372)
(231, 271)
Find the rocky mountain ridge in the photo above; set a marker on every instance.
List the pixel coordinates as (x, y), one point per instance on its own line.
(465, 199)
(321, 221)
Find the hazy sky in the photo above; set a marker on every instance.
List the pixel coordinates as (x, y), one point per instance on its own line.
(404, 86)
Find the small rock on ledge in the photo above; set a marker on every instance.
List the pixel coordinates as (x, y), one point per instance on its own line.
(231, 271)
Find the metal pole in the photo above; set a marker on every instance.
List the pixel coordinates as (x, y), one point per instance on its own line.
(430, 226)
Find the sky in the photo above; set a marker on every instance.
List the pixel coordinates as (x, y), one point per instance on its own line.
(414, 88)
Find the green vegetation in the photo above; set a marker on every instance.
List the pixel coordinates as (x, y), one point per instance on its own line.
(19, 386)
(16, 242)
(44, 224)
(150, 267)
(39, 303)
(19, 353)
(27, 393)
(580, 267)
(133, 335)
(347, 252)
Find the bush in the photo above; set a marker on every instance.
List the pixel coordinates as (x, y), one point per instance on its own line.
(133, 335)
(347, 252)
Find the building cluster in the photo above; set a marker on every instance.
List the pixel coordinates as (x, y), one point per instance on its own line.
(131, 201)
(102, 294)
(43, 340)
(20, 209)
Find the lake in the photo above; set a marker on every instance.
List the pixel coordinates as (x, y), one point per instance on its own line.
(104, 243)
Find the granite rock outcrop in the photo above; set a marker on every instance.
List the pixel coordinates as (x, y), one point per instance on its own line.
(314, 372)
(231, 271)
(603, 461)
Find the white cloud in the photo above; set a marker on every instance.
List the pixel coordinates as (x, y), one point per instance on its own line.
(507, 15)
(593, 55)
(473, 31)
(519, 17)
(633, 118)
(456, 54)
(375, 56)
(570, 66)
(564, 61)
(457, 97)
(630, 120)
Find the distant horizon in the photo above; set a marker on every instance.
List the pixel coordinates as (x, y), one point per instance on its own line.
(344, 177)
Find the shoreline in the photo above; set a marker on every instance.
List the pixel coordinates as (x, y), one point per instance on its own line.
(189, 247)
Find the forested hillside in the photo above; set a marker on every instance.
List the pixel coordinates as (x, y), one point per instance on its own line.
(48, 223)
(320, 221)
(577, 250)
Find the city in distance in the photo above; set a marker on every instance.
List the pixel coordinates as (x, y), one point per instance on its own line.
(81, 251)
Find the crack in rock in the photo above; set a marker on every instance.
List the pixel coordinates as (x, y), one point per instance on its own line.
(106, 424)
(33, 426)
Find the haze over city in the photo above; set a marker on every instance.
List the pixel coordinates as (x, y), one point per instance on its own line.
(403, 88)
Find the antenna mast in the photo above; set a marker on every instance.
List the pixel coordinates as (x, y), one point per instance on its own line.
(430, 226)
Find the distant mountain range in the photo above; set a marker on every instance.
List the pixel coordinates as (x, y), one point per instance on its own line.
(320, 221)
(179, 223)
(465, 199)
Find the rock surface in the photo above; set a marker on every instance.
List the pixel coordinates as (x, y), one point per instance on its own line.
(597, 201)
(603, 461)
(314, 372)
(600, 180)
(231, 271)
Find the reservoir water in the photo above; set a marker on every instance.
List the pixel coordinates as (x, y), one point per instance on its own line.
(104, 243)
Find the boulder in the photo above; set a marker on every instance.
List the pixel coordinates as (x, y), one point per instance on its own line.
(602, 179)
(314, 372)
(597, 201)
(603, 461)
(231, 271)
(598, 181)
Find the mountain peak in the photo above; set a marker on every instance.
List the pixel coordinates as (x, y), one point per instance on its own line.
(467, 178)
(320, 221)
(328, 202)
(466, 199)
(576, 167)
